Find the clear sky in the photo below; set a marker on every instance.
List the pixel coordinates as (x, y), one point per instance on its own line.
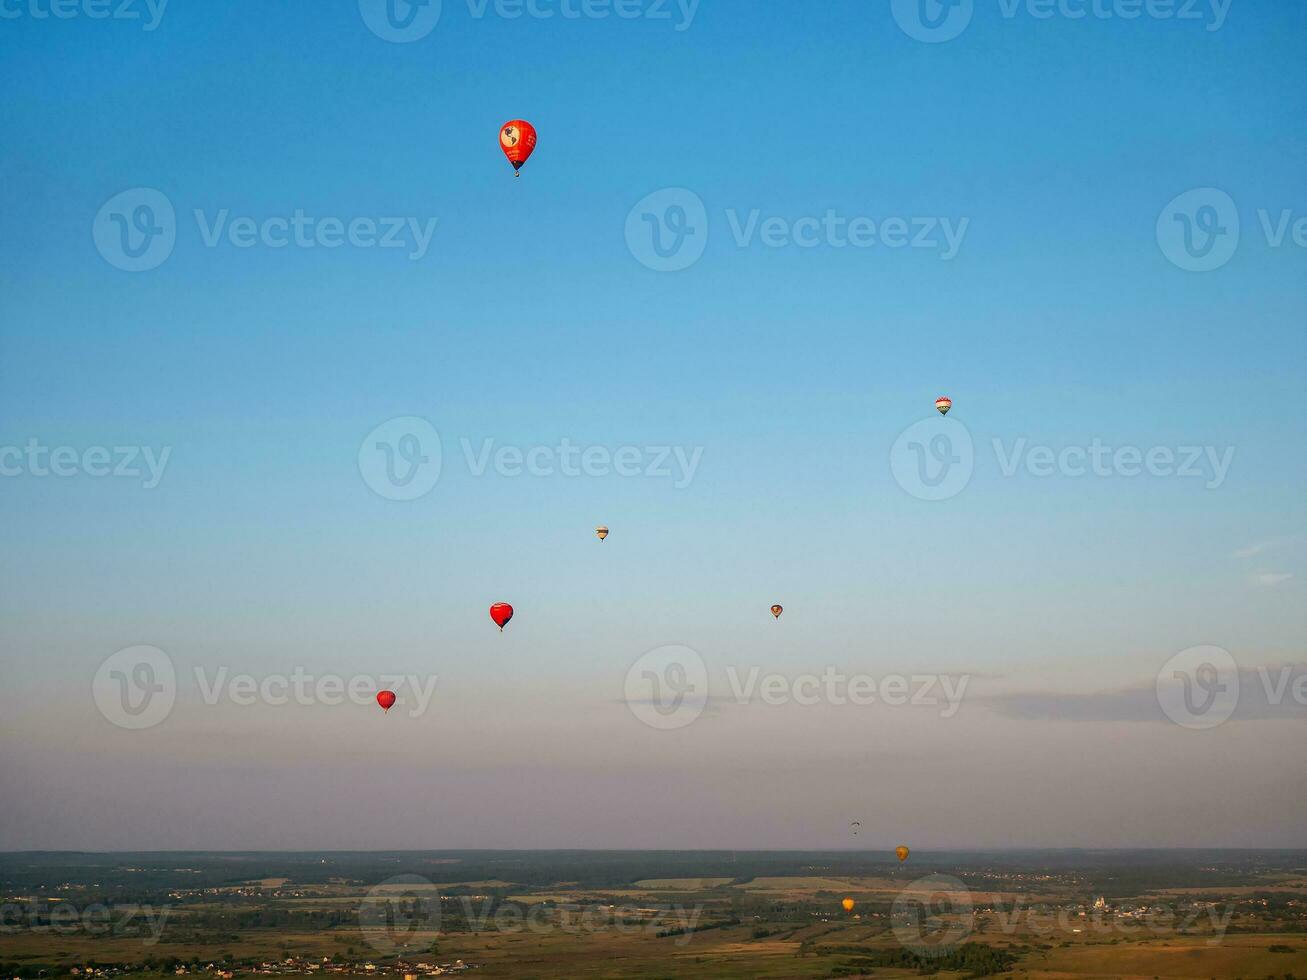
(1037, 159)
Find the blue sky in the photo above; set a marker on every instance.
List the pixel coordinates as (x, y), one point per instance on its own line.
(1056, 142)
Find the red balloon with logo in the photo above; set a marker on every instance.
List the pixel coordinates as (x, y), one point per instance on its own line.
(501, 613)
(517, 138)
(386, 699)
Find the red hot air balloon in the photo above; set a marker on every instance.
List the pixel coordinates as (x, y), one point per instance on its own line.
(501, 613)
(517, 138)
(386, 699)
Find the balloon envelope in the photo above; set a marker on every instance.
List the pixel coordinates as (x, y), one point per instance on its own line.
(601, 531)
(848, 904)
(517, 138)
(943, 404)
(501, 613)
(386, 699)
(902, 852)
(777, 610)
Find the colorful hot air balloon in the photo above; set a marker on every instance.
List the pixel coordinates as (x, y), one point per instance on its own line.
(848, 904)
(501, 613)
(902, 852)
(517, 138)
(776, 610)
(943, 403)
(386, 699)
(601, 531)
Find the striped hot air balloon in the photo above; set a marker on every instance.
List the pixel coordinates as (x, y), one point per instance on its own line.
(601, 532)
(943, 403)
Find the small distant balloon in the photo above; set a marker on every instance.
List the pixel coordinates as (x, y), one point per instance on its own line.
(776, 610)
(943, 404)
(902, 852)
(501, 613)
(386, 699)
(855, 827)
(517, 138)
(848, 904)
(601, 532)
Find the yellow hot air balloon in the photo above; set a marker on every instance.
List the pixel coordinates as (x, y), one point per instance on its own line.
(902, 852)
(848, 904)
(776, 610)
(601, 531)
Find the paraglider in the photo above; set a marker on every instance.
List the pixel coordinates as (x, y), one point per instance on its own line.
(601, 532)
(902, 852)
(855, 827)
(501, 613)
(943, 404)
(848, 904)
(386, 699)
(776, 610)
(517, 138)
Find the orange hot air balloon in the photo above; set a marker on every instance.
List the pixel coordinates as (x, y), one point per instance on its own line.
(501, 613)
(776, 610)
(902, 852)
(517, 138)
(601, 531)
(943, 404)
(386, 699)
(848, 904)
